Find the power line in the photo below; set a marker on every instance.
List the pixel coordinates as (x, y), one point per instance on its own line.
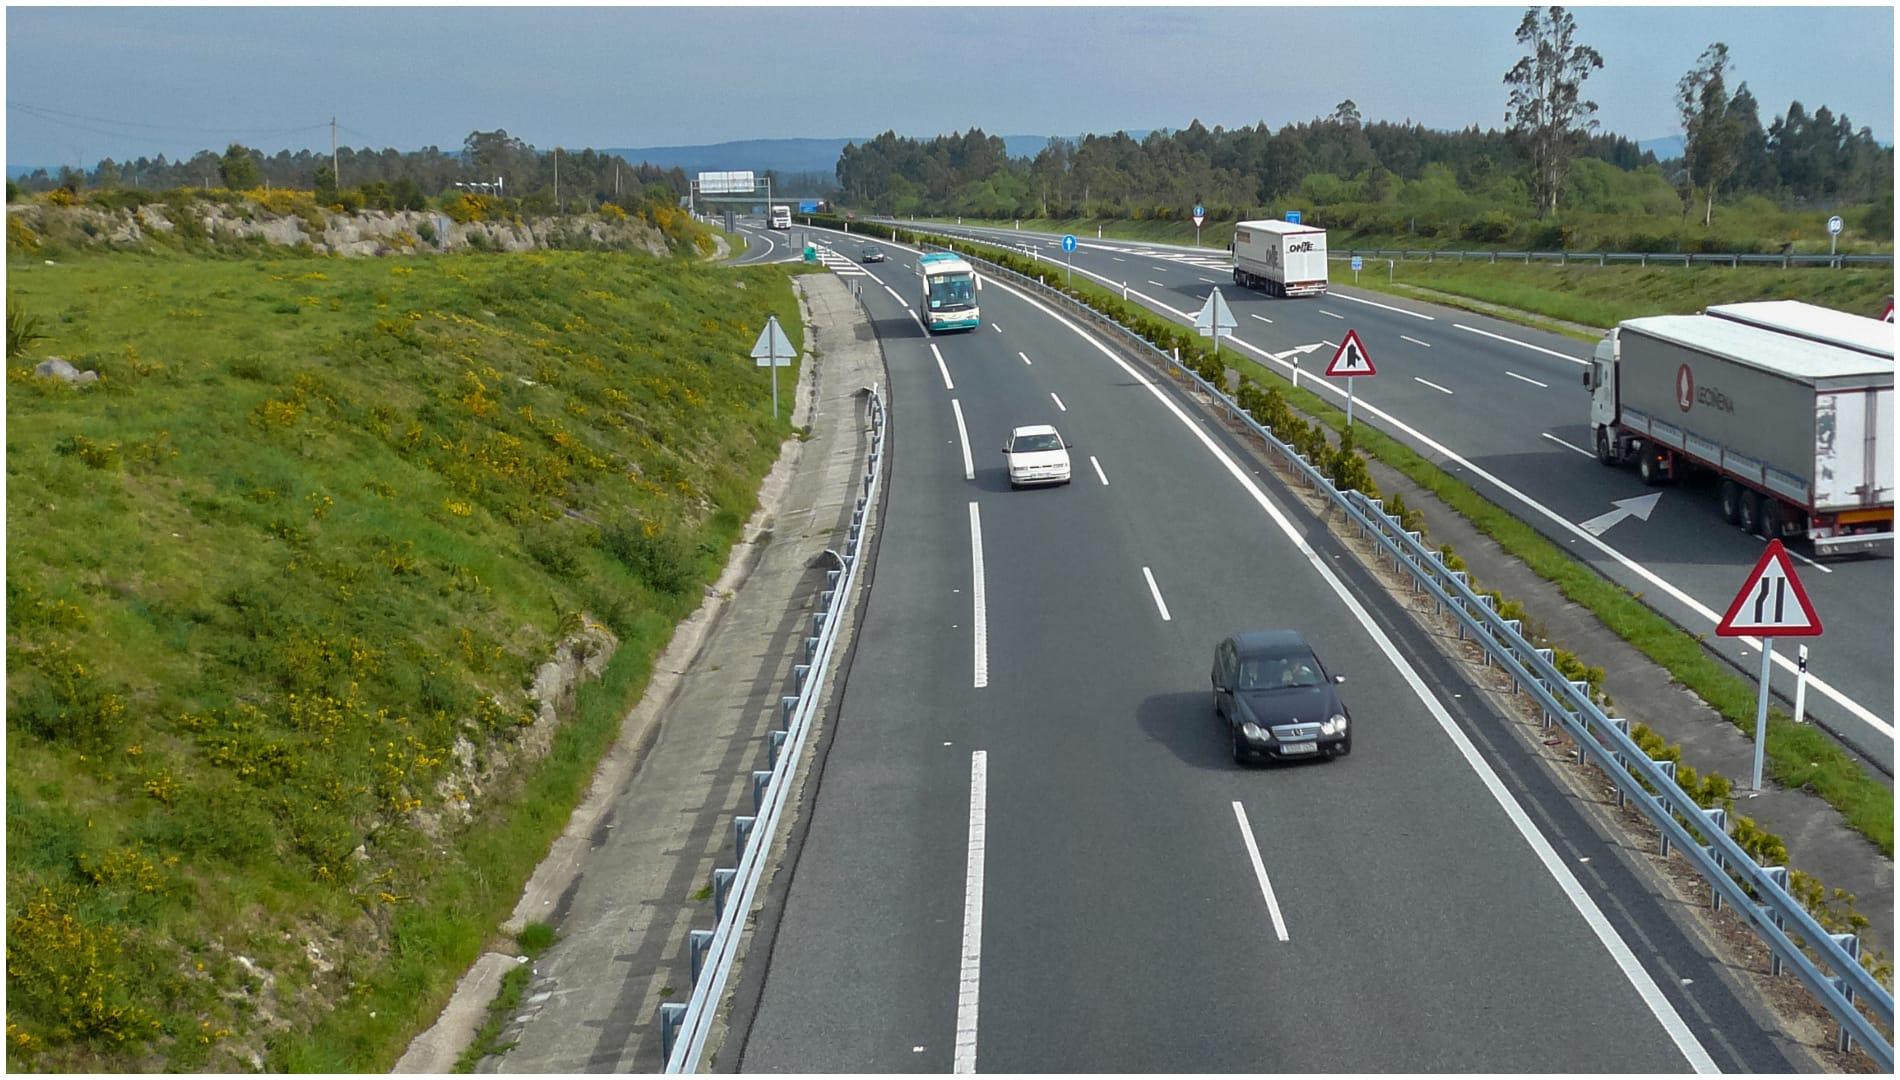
(62, 115)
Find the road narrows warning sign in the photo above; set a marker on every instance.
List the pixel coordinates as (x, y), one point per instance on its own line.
(1772, 602)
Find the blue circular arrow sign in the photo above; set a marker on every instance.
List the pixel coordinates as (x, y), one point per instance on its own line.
(1068, 242)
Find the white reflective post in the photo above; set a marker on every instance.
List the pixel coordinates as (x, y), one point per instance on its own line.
(1801, 685)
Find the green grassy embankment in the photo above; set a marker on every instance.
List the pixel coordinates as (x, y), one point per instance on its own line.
(1602, 296)
(276, 586)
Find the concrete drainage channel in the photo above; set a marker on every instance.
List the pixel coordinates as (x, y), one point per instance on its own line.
(1759, 894)
(685, 1027)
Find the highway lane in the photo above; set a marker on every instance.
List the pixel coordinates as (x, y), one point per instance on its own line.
(1123, 923)
(1506, 409)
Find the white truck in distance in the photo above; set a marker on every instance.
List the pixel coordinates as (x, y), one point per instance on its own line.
(1281, 257)
(780, 218)
(1796, 434)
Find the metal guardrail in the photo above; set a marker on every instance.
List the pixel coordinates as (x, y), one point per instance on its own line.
(1759, 894)
(1604, 258)
(684, 1027)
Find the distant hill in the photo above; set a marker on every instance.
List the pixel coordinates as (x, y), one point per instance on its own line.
(1664, 148)
(782, 155)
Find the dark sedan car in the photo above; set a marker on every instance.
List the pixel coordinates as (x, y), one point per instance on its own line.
(871, 254)
(1277, 700)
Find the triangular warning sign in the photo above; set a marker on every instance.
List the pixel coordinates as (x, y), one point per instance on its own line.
(1772, 602)
(1887, 316)
(1351, 359)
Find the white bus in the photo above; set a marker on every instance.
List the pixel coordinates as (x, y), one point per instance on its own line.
(780, 217)
(949, 293)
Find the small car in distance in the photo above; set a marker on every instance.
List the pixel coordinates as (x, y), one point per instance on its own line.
(871, 255)
(1036, 454)
(1277, 699)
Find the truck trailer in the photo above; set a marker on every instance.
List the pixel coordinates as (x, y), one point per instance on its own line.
(1798, 433)
(1281, 257)
(1814, 322)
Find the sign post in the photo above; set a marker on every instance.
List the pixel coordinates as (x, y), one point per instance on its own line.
(1772, 604)
(1349, 363)
(1068, 251)
(1215, 319)
(1833, 232)
(1200, 215)
(1357, 263)
(773, 350)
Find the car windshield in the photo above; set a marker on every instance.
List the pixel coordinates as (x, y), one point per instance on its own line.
(1278, 672)
(1029, 444)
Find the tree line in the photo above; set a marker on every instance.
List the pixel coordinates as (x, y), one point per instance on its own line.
(1531, 164)
(395, 179)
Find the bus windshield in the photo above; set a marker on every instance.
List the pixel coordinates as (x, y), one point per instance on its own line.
(952, 292)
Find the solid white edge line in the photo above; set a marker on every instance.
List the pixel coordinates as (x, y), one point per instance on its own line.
(1415, 341)
(1809, 561)
(1633, 970)
(963, 436)
(1155, 590)
(1098, 470)
(947, 384)
(1431, 384)
(982, 631)
(1388, 307)
(1821, 686)
(1058, 401)
(1025, 357)
(1260, 871)
(970, 969)
(1525, 378)
(1524, 344)
(1567, 445)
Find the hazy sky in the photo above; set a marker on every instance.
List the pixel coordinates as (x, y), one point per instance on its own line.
(174, 80)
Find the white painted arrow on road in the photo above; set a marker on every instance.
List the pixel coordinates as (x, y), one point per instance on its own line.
(1298, 350)
(1641, 507)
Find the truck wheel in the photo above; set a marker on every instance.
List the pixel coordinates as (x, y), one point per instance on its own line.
(1772, 518)
(1649, 466)
(1606, 450)
(1731, 501)
(1751, 512)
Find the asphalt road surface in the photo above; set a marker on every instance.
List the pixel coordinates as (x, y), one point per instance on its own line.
(1032, 851)
(1503, 407)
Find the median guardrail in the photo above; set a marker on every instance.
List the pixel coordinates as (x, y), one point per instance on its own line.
(684, 1027)
(1759, 894)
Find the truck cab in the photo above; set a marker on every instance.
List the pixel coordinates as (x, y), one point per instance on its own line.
(1600, 379)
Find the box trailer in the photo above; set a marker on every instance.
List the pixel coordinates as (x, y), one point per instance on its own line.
(1282, 257)
(1799, 432)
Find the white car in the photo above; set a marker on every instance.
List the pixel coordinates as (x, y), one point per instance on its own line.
(1036, 455)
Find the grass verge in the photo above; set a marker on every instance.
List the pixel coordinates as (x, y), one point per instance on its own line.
(1798, 756)
(277, 585)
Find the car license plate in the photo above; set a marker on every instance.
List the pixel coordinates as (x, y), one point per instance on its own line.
(1299, 748)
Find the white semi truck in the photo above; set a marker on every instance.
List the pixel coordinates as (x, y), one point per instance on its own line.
(1282, 257)
(1796, 433)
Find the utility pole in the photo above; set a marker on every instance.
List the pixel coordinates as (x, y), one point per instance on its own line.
(616, 180)
(336, 174)
(557, 179)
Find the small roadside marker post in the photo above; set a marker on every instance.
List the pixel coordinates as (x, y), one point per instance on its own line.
(1772, 604)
